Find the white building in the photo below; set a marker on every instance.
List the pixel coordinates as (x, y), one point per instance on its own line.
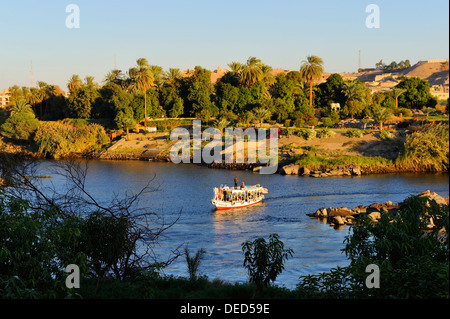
(4, 98)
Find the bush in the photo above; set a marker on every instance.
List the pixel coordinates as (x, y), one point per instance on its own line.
(354, 132)
(427, 149)
(307, 134)
(35, 248)
(20, 126)
(58, 139)
(324, 133)
(385, 135)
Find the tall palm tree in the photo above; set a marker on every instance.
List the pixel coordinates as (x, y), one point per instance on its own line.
(142, 80)
(311, 70)
(396, 92)
(251, 71)
(114, 76)
(171, 76)
(235, 67)
(74, 83)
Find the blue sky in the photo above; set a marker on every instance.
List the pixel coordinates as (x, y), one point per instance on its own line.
(211, 33)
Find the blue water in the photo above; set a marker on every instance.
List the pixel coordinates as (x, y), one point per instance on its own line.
(188, 188)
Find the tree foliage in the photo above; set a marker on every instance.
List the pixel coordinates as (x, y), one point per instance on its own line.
(264, 260)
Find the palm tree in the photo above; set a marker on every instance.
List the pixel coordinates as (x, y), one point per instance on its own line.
(74, 83)
(311, 70)
(114, 76)
(355, 93)
(261, 113)
(35, 97)
(382, 115)
(21, 106)
(171, 76)
(247, 117)
(142, 79)
(251, 72)
(235, 67)
(221, 124)
(396, 92)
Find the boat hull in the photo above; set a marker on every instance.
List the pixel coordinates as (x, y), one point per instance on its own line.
(220, 206)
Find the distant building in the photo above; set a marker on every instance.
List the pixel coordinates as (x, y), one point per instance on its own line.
(4, 98)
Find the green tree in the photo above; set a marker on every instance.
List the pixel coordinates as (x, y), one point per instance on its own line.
(251, 72)
(417, 94)
(81, 100)
(311, 70)
(200, 92)
(74, 83)
(20, 126)
(354, 92)
(264, 260)
(142, 79)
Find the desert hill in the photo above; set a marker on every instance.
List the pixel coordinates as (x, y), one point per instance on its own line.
(436, 72)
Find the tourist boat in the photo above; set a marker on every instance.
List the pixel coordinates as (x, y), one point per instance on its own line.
(238, 197)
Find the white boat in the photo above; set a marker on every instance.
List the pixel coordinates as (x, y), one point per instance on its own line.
(238, 197)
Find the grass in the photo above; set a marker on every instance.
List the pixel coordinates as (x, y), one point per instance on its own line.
(333, 162)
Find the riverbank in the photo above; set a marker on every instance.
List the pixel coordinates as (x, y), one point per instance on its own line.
(330, 152)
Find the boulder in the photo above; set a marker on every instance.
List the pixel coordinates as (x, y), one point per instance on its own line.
(338, 220)
(359, 209)
(339, 211)
(376, 207)
(356, 171)
(305, 171)
(374, 216)
(434, 196)
(291, 169)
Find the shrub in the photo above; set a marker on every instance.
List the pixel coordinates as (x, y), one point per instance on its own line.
(35, 248)
(354, 132)
(324, 133)
(385, 135)
(57, 139)
(427, 149)
(307, 134)
(20, 126)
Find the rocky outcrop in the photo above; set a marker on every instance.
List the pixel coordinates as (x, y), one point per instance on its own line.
(294, 169)
(339, 216)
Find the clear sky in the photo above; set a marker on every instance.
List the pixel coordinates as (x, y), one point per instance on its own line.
(211, 33)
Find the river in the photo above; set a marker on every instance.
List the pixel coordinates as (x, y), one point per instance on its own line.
(188, 188)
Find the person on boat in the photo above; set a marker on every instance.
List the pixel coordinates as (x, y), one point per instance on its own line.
(243, 185)
(235, 181)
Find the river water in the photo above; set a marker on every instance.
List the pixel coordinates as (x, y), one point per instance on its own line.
(188, 188)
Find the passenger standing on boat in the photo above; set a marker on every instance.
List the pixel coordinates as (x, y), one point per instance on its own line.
(235, 182)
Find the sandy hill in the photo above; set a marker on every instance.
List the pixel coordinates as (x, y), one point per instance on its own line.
(436, 72)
